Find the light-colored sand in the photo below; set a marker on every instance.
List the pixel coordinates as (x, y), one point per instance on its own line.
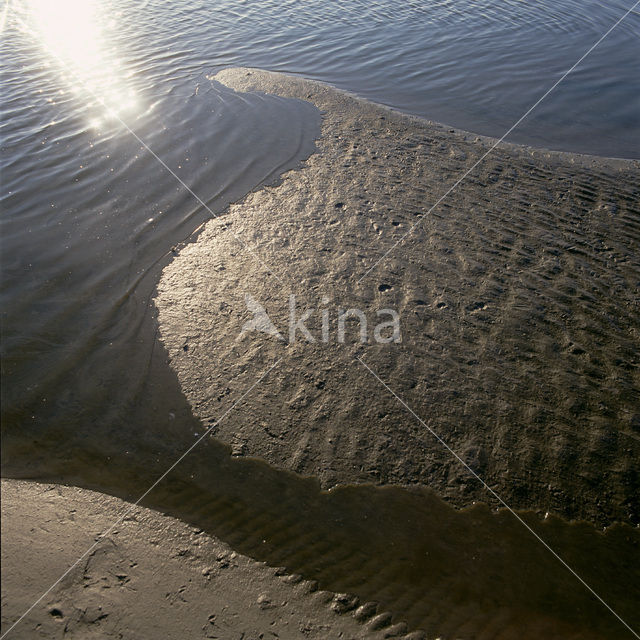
(518, 301)
(153, 577)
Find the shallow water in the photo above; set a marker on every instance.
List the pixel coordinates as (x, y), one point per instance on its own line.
(478, 66)
(88, 212)
(89, 216)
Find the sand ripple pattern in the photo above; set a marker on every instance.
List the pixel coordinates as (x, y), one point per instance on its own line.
(518, 298)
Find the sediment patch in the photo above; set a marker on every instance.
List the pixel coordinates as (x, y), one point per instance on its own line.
(153, 577)
(518, 305)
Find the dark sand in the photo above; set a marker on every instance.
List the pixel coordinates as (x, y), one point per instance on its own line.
(153, 577)
(519, 317)
(518, 299)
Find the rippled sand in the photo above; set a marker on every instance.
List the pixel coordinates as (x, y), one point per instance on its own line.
(519, 320)
(154, 577)
(518, 300)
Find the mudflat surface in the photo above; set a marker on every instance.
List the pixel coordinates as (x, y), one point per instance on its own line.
(152, 577)
(518, 304)
(518, 317)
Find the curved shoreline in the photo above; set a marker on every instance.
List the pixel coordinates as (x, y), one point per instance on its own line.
(154, 576)
(401, 514)
(508, 283)
(424, 570)
(247, 79)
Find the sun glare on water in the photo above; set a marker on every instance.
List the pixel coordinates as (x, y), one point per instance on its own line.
(76, 35)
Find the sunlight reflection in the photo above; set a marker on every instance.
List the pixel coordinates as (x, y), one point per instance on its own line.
(77, 34)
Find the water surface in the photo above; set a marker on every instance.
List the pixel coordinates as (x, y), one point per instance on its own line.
(89, 215)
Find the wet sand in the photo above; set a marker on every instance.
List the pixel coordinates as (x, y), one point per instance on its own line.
(152, 577)
(517, 298)
(491, 292)
(405, 562)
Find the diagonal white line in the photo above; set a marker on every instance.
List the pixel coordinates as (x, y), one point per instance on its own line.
(490, 490)
(188, 189)
(496, 143)
(142, 497)
(162, 162)
(208, 431)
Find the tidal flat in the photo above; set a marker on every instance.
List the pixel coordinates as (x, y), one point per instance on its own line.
(517, 296)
